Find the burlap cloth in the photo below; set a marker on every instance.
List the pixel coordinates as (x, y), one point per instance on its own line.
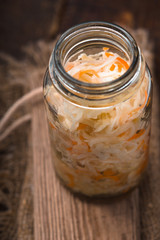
(16, 186)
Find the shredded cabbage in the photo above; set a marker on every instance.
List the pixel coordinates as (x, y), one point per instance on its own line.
(96, 68)
(99, 151)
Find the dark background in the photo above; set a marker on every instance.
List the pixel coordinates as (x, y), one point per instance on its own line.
(23, 21)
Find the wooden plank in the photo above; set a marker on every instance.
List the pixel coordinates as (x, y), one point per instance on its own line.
(150, 187)
(59, 214)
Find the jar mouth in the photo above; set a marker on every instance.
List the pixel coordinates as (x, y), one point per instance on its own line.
(92, 33)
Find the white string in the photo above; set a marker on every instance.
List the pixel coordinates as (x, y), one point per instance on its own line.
(14, 125)
(23, 100)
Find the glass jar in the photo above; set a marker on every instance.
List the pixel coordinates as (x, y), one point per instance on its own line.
(99, 131)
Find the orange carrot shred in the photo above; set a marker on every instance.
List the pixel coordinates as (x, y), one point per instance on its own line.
(122, 134)
(82, 171)
(81, 137)
(108, 54)
(120, 66)
(69, 149)
(148, 101)
(82, 126)
(48, 99)
(106, 173)
(82, 75)
(123, 62)
(145, 147)
(69, 66)
(73, 143)
(105, 49)
(116, 178)
(89, 72)
(141, 144)
(112, 67)
(89, 149)
(76, 75)
(71, 178)
(137, 134)
(52, 126)
(109, 173)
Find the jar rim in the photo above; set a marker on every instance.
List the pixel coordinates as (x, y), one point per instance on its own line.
(56, 69)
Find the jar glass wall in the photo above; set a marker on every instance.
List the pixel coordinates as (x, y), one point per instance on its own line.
(99, 131)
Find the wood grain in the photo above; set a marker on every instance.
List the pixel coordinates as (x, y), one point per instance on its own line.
(61, 215)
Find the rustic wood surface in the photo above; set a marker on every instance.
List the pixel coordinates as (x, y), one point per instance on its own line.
(61, 215)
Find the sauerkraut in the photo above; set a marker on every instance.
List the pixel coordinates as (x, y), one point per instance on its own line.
(99, 150)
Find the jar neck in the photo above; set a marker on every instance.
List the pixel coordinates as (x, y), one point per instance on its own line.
(92, 35)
